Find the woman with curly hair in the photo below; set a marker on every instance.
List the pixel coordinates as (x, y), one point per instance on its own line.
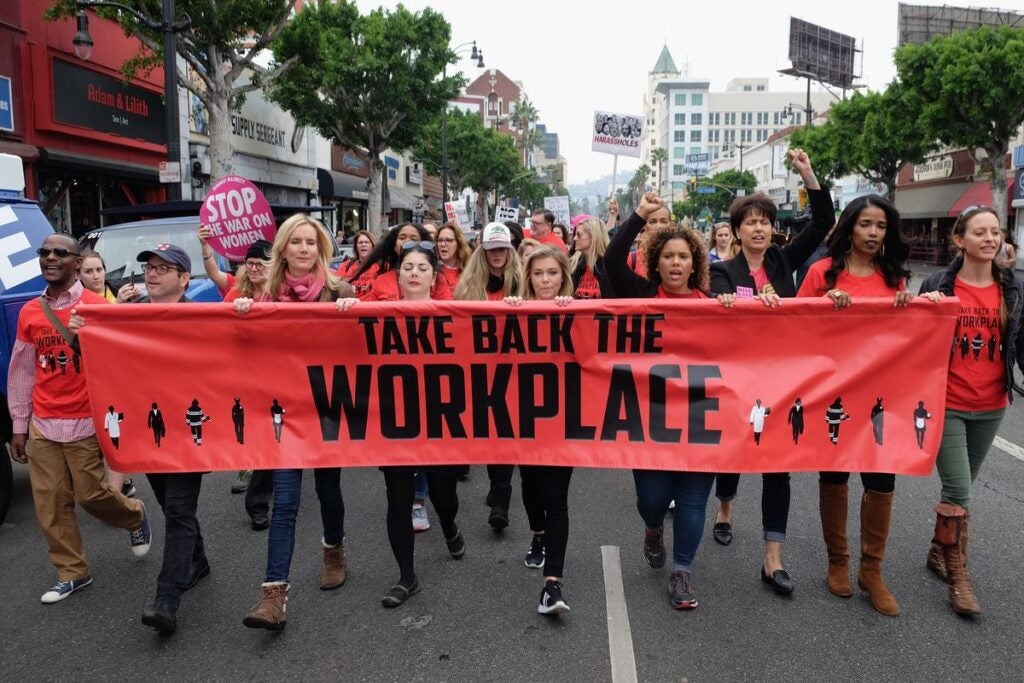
(677, 268)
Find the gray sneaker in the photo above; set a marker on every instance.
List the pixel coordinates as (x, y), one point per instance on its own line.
(680, 588)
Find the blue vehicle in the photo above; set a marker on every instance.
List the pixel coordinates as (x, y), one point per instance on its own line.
(23, 227)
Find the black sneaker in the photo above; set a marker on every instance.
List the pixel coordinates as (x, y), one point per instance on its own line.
(456, 545)
(535, 555)
(680, 588)
(654, 547)
(399, 593)
(128, 488)
(498, 519)
(551, 600)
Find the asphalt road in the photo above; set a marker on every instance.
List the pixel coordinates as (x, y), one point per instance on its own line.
(475, 619)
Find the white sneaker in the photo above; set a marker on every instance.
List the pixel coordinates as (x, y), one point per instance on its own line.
(419, 518)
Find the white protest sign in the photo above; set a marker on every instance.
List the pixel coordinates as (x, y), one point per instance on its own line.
(503, 214)
(617, 134)
(456, 212)
(560, 207)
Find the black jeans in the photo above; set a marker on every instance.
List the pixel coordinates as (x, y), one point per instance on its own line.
(501, 484)
(546, 498)
(443, 491)
(872, 481)
(774, 500)
(178, 495)
(257, 496)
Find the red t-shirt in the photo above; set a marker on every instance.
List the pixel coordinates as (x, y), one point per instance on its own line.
(977, 373)
(59, 390)
(450, 275)
(589, 286)
(496, 296)
(665, 294)
(552, 239)
(814, 283)
(364, 283)
(385, 288)
(230, 286)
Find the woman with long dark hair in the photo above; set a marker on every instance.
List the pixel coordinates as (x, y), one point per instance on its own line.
(866, 258)
(979, 387)
(363, 244)
(385, 257)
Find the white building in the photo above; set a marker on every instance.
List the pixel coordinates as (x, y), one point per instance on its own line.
(686, 118)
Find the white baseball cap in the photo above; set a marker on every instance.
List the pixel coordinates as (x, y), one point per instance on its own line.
(496, 236)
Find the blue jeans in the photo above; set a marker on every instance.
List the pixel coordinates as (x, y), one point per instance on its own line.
(655, 489)
(421, 487)
(287, 494)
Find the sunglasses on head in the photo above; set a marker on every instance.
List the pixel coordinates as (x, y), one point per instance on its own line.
(972, 208)
(60, 252)
(422, 246)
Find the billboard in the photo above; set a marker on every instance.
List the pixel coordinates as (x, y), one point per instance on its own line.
(821, 54)
(920, 23)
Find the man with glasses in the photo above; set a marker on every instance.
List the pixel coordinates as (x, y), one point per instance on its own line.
(541, 224)
(53, 428)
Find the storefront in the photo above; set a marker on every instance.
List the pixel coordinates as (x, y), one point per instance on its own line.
(344, 185)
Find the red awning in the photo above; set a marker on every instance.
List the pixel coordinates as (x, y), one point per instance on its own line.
(977, 193)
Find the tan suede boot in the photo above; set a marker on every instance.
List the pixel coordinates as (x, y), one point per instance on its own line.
(937, 562)
(269, 612)
(832, 501)
(875, 516)
(335, 567)
(948, 529)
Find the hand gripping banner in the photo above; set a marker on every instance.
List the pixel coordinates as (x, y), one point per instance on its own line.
(651, 384)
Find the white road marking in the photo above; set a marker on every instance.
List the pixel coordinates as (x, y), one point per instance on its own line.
(620, 639)
(1009, 447)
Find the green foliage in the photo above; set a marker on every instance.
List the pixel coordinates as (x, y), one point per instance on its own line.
(366, 81)
(971, 88)
(871, 135)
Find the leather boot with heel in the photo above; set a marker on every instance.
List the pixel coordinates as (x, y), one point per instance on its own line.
(875, 517)
(833, 503)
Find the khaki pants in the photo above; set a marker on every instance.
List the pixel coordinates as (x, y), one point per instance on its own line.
(62, 473)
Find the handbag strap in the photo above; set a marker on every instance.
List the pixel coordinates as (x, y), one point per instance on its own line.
(57, 324)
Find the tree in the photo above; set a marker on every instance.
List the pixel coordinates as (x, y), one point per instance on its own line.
(524, 115)
(873, 135)
(971, 86)
(659, 156)
(638, 182)
(725, 185)
(368, 82)
(219, 47)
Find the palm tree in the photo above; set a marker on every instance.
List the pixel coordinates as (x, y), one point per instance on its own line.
(659, 156)
(638, 182)
(524, 115)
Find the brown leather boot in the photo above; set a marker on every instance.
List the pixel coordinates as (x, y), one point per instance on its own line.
(832, 501)
(936, 561)
(875, 516)
(335, 567)
(269, 612)
(948, 529)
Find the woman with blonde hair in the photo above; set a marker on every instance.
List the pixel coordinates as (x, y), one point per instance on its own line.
(453, 253)
(493, 270)
(299, 272)
(722, 245)
(526, 247)
(589, 279)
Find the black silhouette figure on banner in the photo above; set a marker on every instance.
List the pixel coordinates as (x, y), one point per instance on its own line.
(877, 420)
(195, 418)
(112, 423)
(991, 348)
(796, 419)
(977, 344)
(277, 416)
(757, 415)
(155, 421)
(965, 346)
(238, 419)
(834, 416)
(920, 416)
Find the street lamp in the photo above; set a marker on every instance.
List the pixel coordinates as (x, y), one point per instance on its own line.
(732, 146)
(790, 109)
(170, 28)
(478, 55)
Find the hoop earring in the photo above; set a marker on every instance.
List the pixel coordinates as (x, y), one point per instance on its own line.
(849, 249)
(881, 252)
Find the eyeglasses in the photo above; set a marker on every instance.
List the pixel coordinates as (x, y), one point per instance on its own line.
(60, 252)
(161, 269)
(255, 265)
(445, 240)
(422, 246)
(537, 223)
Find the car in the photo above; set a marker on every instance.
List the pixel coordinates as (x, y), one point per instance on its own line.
(120, 245)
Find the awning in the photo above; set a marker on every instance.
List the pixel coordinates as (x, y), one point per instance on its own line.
(26, 152)
(978, 192)
(928, 202)
(124, 170)
(402, 198)
(189, 207)
(338, 184)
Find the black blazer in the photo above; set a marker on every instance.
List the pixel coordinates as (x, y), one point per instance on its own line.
(779, 262)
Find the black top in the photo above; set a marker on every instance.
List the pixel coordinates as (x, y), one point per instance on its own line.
(623, 280)
(779, 262)
(599, 272)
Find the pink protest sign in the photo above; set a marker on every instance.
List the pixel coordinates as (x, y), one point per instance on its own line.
(238, 214)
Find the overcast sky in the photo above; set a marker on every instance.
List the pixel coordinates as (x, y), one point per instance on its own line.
(573, 57)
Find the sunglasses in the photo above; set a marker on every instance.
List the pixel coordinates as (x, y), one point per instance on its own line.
(422, 246)
(972, 208)
(60, 252)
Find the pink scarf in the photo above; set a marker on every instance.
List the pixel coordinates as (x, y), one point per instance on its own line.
(306, 288)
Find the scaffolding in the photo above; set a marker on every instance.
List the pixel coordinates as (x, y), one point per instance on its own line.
(920, 23)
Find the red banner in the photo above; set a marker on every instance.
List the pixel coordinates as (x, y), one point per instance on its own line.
(650, 384)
